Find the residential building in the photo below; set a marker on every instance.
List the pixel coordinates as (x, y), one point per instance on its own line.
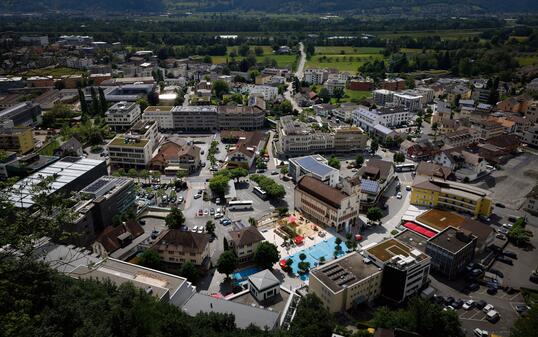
(135, 148)
(405, 269)
(433, 170)
(465, 164)
(122, 93)
(240, 117)
(315, 76)
(313, 166)
(345, 111)
(531, 136)
(326, 205)
(532, 112)
(244, 242)
(160, 114)
(461, 137)
(422, 150)
(463, 198)
(373, 178)
(389, 117)
(23, 114)
(113, 238)
(11, 82)
(247, 148)
(360, 84)
(323, 109)
(408, 101)
(16, 139)
(173, 157)
(345, 282)
(269, 93)
(486, 128)
(393, 84)
(264, 286)
(383, 97)
(123, 115)
(333, 84)
(298, 138)
(450, 251)
(349, 139)
(176, 247)
(70, 148)
(245, 315)
(79, 263)
(68, 175)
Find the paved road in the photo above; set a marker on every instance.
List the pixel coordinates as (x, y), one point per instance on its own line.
(299, 73)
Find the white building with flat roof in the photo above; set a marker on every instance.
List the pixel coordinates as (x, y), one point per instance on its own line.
(314, 166)
(123, 115)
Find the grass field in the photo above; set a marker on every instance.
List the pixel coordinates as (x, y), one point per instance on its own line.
(48, 150)
(444, 34)
(55, 72)
(353, 96)
(343, 58)
(527, 59)
(282, 60)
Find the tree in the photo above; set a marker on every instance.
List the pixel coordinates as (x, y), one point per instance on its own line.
(150, 258)
(220, 88)
(218, 184)
(153, 98)
(175, 219)
(207, 59)
(324, 95)
(189, 271)
(338, 93)
(132, 173)
(312, 319)
(266, 255)
(144, 174)
(286, 107)
(374, 145)
(302, 256)
(284, 170)
(252, 222)
(225, 244)
(83, 103)
(527, 325)
(359, 160)
(517, 234)
(374, 214)
(210, 227)
(418, 122)
(102, 101)
(282, 211)
(398, 157)
(227, 263)
(334, 162)
(258, 51)
(243, 50)
(143, 104)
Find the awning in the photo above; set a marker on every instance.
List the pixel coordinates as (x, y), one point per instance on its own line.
(298, 240)
(419, 229)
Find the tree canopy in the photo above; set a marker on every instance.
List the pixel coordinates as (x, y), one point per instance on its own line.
(175, 219)
(266, 255)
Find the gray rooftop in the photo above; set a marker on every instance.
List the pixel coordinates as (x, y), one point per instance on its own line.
(311, 164)
(263, 280)
(244, 314)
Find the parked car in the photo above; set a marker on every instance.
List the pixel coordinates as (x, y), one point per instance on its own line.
(480, 333)
(506, 260)
(180, 199)
(408, 188)
(449, 300)
(399, 195)
(498, 204)
(200, 212)
(468, 305)
(521, 308)
(500, 236)
(154, 234)
(493, 316)
(488, 308)
(510, 254)
(496, 272)
(503, 231)
(195, 229)
(473, 287)
(197, 196)
(217, 201)
(206, 211)
(274, 173)
(200, 229)
(457, 303)
(492, 291)
(212, 211)
(507, 225)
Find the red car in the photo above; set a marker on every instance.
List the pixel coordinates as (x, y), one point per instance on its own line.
(200, 212)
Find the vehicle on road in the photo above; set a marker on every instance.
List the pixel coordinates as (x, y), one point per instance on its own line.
(197, 196)
(496, 272)
(195, 228)
(481, 304)
(200, 212)
(259, 192)
(493, 316)
(405, 168)
(239, 205)
(206, 211)
(274, 173)
(408, 188)
(399, 195)
(211, 211)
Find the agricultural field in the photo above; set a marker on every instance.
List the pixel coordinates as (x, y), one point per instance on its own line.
(283, 61)
(443, 34)
(527, 59)
(343, 58)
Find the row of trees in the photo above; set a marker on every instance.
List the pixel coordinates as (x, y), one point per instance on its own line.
(273, 189)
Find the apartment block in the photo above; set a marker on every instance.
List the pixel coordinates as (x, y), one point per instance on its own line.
(177, 247)
(345, 282)
(134, 148)
(383, 96)
(123, 115)
(450, 251)
(464, 198)
(389, 117)
(315, 76)
(160, 114)
(244, 242)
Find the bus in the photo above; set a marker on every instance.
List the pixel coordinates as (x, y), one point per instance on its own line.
(240, 205)
(405, 168)
(259, 192)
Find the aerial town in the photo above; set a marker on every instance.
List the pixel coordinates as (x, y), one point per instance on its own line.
(242, 183)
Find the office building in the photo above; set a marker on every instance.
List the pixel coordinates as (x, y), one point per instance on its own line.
(405, 269)
(240, 117)
(195, 118)
(23, 114)
(409, 101)
(326, 205)
(531, 136)
(135, 148)
(268, 92)
(16, 139)
(345, 282)
(463, 198)
(67, 175)
(313, 166)
(383, 97)
(123, 115)
(450, 251)
(390, 117)
(160, 114)
(316, 76)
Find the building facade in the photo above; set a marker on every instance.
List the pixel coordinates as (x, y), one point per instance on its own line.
(16, 139)
(450, 251)
(123, 115)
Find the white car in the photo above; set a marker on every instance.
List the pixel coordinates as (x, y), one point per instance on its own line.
(408, 188)
(399, 195)
(507, 225)
(488, 308)
(200, 229)
(480, 333)
(468, 305)
(195, 228)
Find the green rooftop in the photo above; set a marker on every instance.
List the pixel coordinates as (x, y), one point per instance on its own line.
(120, 141)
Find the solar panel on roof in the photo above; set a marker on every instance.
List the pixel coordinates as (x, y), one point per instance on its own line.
(96, 185)
(369, 186)
(312, 165)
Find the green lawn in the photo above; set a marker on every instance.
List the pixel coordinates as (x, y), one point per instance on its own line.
(48, 150)
(343, 50)
(353, 96)
(267, 50)
(348, 62)
(282, 60)
(527, 59)
(55, 72)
